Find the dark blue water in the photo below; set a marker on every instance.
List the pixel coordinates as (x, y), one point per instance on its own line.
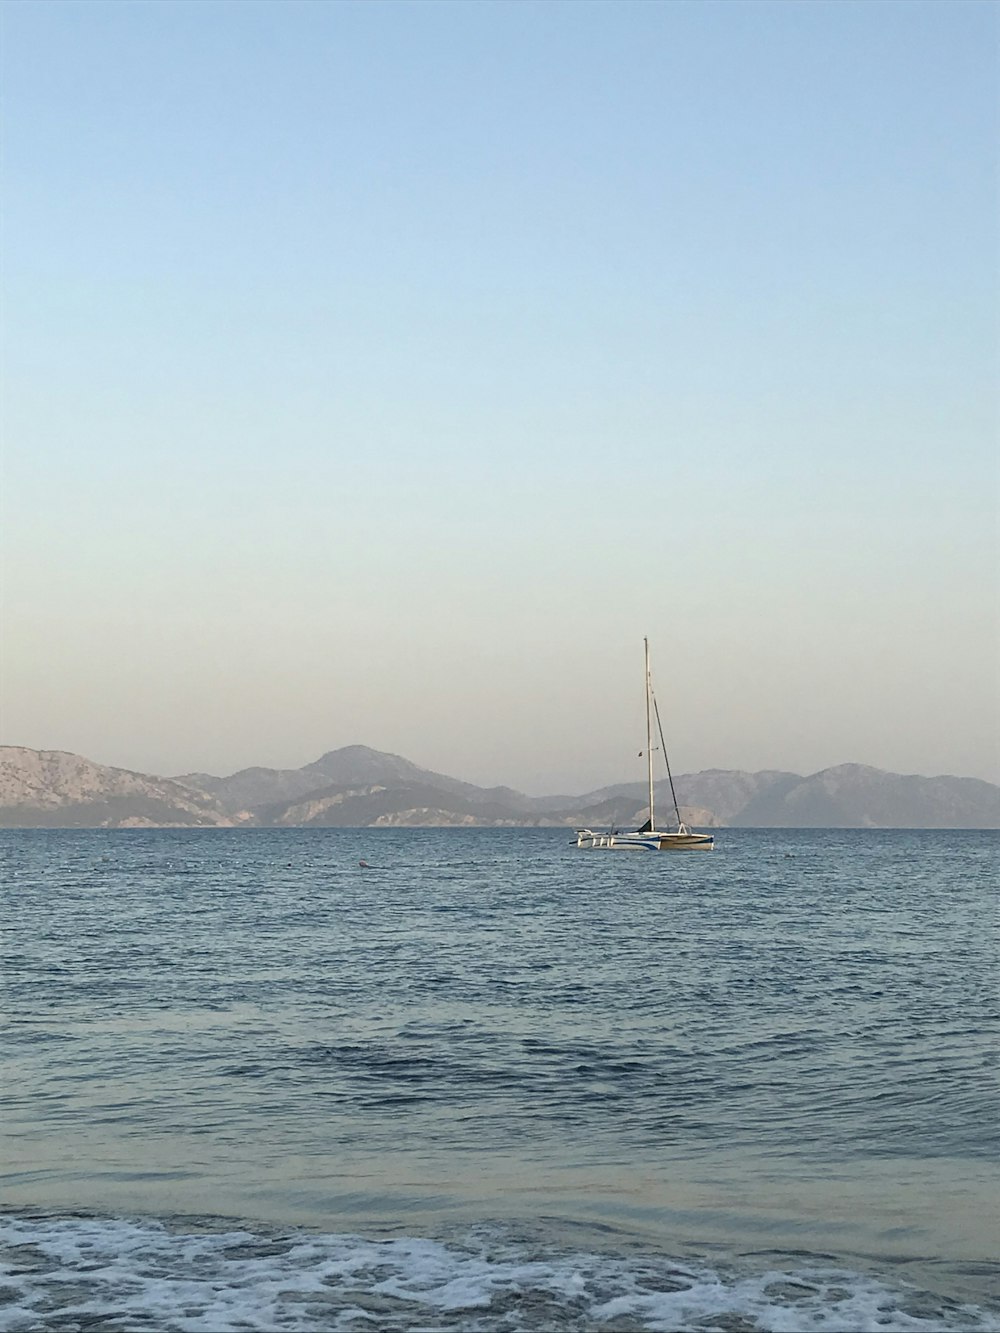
(495, 1082)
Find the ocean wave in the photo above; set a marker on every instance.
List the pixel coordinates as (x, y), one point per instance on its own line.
(126, 1275)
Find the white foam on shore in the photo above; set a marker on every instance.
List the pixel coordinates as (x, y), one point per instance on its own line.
(126, 1274)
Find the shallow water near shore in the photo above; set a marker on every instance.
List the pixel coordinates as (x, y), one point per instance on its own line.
(492, 1082)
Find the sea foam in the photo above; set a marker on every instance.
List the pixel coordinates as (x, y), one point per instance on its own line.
(124, 1274)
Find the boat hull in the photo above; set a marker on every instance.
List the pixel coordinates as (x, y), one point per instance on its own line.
(687, 842)
(589, 841)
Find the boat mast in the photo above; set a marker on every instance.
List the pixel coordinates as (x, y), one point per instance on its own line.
(649, 738)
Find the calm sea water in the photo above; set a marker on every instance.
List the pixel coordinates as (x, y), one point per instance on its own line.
(495, 1083)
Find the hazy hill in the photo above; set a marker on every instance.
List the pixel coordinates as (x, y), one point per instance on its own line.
(724, 792)
(627, 811)
(260, 789)
(413, 804)
(855, 796)
(52, 788)
(359, 787)
(416, 804)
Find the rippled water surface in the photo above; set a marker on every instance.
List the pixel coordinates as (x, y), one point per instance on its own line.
(493, 1082)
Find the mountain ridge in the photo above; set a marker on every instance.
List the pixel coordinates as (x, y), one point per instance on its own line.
(356, 786)
(44, 788)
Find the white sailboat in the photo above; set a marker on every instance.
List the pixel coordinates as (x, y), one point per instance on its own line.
(649, 838)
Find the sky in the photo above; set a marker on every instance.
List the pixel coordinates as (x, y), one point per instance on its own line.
(382, 373)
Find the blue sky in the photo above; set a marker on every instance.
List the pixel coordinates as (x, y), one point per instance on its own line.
(383, 372)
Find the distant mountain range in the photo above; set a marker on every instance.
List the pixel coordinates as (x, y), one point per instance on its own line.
(357, 787)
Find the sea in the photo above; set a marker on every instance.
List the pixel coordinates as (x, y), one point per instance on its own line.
(488, 1082)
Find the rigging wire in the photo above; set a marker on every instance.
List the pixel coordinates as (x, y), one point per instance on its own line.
(666, 757)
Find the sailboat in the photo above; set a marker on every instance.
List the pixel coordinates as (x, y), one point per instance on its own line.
(648, 837)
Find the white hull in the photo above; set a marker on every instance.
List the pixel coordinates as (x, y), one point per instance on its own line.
(643, 842)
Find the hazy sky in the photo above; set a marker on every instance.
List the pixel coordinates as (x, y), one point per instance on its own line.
(382, 372)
